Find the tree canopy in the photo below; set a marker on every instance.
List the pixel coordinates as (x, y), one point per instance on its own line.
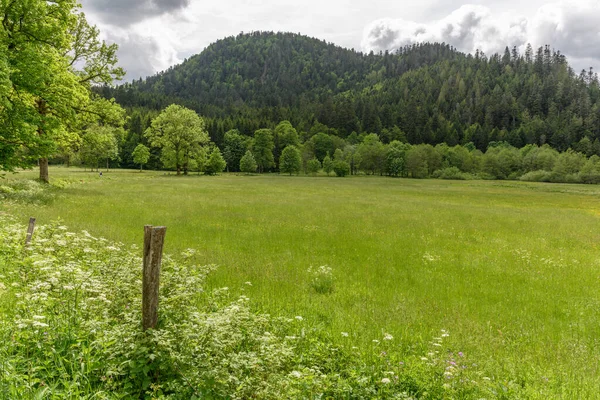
(49, 59)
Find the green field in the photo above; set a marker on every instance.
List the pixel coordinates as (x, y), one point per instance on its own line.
(509, 269)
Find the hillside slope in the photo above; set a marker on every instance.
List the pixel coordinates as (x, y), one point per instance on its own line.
(431, 92)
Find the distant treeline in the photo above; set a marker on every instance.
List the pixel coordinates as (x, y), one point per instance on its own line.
(430, 92)
(368, 154)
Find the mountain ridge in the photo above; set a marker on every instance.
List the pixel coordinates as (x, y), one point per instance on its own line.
(431, 92)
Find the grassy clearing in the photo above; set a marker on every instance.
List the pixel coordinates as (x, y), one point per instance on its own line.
(508, 268)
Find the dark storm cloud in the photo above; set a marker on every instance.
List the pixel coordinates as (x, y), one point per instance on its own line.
(125, 12)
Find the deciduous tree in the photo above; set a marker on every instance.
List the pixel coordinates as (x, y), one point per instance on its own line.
(179, 132)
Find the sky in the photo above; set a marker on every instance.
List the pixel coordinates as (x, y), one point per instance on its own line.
(156, 34)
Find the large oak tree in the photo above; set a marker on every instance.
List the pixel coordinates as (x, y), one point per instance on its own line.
(50, 57)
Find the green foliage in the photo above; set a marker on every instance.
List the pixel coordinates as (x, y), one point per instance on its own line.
(341, 168)
(262, 149)
(215, 163)
(248, 163)
(321, 279)
(450, 173)
(290, 161)
(372, 154)
(313, 166)
(49, 59)
(234, 147)
(423, 93)
(74, 331)
(327, 164)
(180, 133)
(99, 143)
(141, 155)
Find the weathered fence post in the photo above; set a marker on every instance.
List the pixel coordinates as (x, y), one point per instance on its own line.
(30, 230)
(154, 237)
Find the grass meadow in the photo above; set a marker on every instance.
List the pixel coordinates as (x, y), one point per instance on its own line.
(511, 270)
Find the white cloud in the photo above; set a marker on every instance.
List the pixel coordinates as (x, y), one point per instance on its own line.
(569, 26)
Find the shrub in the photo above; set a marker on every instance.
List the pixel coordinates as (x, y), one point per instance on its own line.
(313, 166)
(341, 168)
(248, 163)
(450, 173)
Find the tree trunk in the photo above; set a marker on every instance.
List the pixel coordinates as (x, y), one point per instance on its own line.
(44, 177)
(43, 110)
(178, 169)
(141, 167)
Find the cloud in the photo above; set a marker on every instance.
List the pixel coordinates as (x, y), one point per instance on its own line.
(141, 54)
(569, 26)
(127, 12)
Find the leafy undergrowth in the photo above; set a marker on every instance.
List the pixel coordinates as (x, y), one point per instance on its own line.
(31, 191)
(70, 328)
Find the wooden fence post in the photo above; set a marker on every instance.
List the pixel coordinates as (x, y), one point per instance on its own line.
(30, 230)
(154, 237)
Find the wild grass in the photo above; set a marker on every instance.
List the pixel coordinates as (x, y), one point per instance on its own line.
(509, 269)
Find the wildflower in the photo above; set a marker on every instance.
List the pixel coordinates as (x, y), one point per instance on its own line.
(424, 358)
(460, 353)
(385, 381)
(345, 334)
(375, 341)
(387, 336)
(299, 318)
(296, 374)
(248, 283)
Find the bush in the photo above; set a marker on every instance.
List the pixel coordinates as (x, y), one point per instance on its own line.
(313, 166)
(537, 176)
(341, 168)
(248, 163)
(451, 173)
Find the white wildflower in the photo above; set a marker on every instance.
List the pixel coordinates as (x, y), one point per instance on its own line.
(345, 334)
(296, 374)
(387, 336)
(298, 317)
(385, 380)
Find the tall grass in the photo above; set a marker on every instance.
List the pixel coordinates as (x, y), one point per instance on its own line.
(507, 268)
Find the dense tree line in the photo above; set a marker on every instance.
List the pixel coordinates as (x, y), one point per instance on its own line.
(178, 136)
(425, 93)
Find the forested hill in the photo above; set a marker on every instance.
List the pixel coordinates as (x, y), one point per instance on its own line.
(427, 93)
